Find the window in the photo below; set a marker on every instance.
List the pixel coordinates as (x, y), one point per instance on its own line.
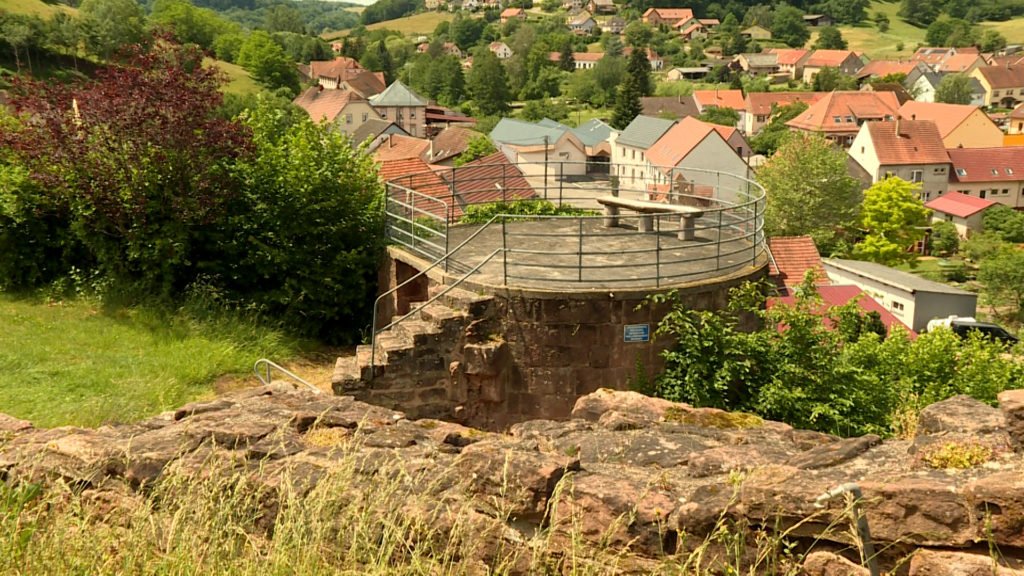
(837, 119)
(366, 116)
(995, 172)
(940, 170)
(348, 118)
(739, 150)
(412, 114)
(888, 174)
(916, 175)
(897, 306)
(995, 93)
(633, 157)
(849, 118)
(1009, 171)
(861, 149)
(961, 172)
(1006, 191)
(926, 195)
(981, 193)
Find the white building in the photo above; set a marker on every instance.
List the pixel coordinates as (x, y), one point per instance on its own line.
(910, 298)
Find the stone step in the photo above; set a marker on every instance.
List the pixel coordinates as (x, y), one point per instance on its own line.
(448, 320)
(393, 347)
(419, 332)
(459, 299)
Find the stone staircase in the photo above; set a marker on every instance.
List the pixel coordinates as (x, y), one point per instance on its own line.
(418, 361)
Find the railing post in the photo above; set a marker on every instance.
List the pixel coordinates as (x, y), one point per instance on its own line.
(579, 265)
(504, 253)
(561, 178)
(657, 252)
(718, 245)
(614, 181)
(451, 201)
(412, 220)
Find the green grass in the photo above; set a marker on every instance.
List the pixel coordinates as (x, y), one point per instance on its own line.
(1013, 29)
(239, 81)
(882, 45)
(417, 24)
(73, 363)
(34, 8)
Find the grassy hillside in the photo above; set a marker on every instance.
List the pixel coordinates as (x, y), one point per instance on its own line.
(33, 7)
(1012, 29)
(882, 45)
(239, 80)
(410, 25)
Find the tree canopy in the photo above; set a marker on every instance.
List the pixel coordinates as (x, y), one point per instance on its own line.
(895, 218)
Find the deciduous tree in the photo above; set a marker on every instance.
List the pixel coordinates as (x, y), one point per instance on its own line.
(488, 84)
(1003, 277)
(895, 218)
(830, 38)
(954, 89)
(266, 61)
(788, 26)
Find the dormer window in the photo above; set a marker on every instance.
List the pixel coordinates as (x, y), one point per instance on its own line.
(961, 172)
(995, 172)
(1009, 171)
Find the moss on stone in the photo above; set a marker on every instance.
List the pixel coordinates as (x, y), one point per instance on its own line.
(712, 418)
(327, 437)
(959, 455)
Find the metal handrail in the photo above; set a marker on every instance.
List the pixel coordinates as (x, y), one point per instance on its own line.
(435, 264)
(447, 289)
(270, 365)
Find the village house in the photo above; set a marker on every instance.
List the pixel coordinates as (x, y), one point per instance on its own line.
(960, 125)
(692, 30)
(581, 60)
(838, 116)
(790, 60)
(342, 109)
(964, 212)
(883, 68)
(501, 50)
(667, 16)
(629, 147)
(402, 106)
(374, 131)
(1015, 123)
(1004, 86)
(756, 33)
(912, 299)
(451, 49)
(845, 61)
(655, 61)
(331, 73)
(670, 107)
(817, 19)
(601, 7)
(924, 83)
(693, 150)
(614, 25)
(756, 64)
(688, 73)
(540, 150)
(582, 24)
(447, 144)
(907, 149)
(719, 99)
(570, 5)
(759, 107)
(963, 63)
(512, 13)
(995, 174)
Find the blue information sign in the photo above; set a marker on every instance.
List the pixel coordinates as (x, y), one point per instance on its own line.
(636, 333)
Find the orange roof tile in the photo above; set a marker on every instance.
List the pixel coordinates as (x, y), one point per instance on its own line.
(843, 111)
(883, 68)
(833, 58)
(959, 205)
(323, 104)
(792, 257)
(399, 147)
(960, 62)
(946, 116)
(416, 175)
(788, 56)
(670, 13)
(450, 142)
(720, 98)
(511, 12)
(677, 143)
(492, 178)
(761, 103)
(341, 67)
(906, 142)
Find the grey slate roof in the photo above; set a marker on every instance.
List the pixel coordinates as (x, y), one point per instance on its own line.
(374, 127)
(397, 94)
(593, 132)
(512, 131)
(892, 277)
(644, 131)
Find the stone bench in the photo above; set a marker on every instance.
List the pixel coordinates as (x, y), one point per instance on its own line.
(647, 210)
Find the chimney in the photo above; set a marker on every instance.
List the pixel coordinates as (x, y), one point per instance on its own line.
(391, 143)
(431, 149)
(898, 117)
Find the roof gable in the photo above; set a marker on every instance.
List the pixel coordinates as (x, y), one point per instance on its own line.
(1003, 76)
(794, 256)
(720, 98)
(679, 141)
(323, 104)
(959, 205)
(644, 131)
(842, 111)
(947, 117)
(397, 94)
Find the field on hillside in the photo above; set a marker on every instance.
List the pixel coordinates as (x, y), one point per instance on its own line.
(34, 7)
(239, 81)
(882, 45)
(423, 23)
(1013, 30)
(76, 363)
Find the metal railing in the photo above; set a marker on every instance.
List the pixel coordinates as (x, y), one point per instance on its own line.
(266, 377)
(572, 251)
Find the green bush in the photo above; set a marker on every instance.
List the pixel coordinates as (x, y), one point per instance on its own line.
(482, 213)
(945, 239)
(836, 375)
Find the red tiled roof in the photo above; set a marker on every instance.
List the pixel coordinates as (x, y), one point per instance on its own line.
(1018, 112)
(960, 62)
(856, 106)
(478, 182)
(833, 58)
(414, 174)
(450, 142)
(511, 12)
(840, 295)
(959, 205)
(323, 104)
(678, 142)
(341, 67)
(946, 116)
(883, 68)
(725, 132)
(788, 56)
(367, 83)
(977, 164)
(399, 147)
(792, 257)
(1000, 77)
(721, 98)
(760, 103)
(577, 56)
(670, 13)
(903, 142)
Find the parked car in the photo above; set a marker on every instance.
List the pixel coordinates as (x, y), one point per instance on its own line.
(963, 326)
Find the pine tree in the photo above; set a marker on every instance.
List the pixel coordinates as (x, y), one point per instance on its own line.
(566, 61)
(488, 84)
(639, 68)
(627, 104)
